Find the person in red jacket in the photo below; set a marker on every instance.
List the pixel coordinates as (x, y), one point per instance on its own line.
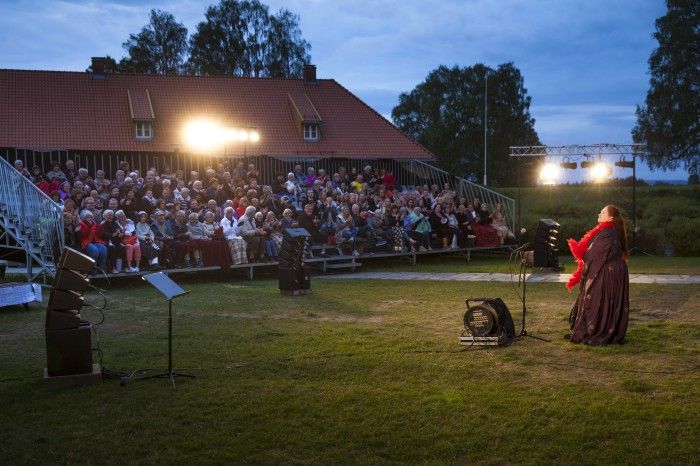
(89, 237)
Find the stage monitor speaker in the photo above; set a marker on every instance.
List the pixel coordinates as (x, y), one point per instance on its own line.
(488, 323)
(75, 260)
(65, 300)
(61, 320)
(69, 351)
(70, 280)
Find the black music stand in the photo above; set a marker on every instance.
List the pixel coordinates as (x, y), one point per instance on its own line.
(170, 290)
(523, 332)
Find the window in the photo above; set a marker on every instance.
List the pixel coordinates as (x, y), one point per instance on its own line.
(144, 130)
(311, 132)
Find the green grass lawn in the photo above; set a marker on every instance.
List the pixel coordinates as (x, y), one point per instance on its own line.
(364, 372)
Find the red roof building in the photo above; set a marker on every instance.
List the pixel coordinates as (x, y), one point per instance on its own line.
(126, 113)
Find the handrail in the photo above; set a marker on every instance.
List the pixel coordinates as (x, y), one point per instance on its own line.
(33, 218)
(425, 173)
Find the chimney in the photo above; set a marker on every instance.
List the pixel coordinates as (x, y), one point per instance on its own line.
(98, 67)
(309, 74)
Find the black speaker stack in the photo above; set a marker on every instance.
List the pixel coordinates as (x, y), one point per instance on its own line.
(68, 338)
(545, 252)
(294, 276)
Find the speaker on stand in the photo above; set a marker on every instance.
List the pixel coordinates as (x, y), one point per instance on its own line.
(544, 251)
(68, 338)
(294, 276)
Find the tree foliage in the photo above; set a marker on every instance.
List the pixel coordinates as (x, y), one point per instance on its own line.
(242, 38)
(669, 122)
(445, 113)
(159, 48)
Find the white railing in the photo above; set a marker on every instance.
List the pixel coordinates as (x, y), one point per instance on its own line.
(421, 173)
(32, 219)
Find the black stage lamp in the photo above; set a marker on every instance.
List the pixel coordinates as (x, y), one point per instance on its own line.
(568, 165)
(587, 164)
(625, 164)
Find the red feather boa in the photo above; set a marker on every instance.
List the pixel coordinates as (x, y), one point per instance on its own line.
(579, 248)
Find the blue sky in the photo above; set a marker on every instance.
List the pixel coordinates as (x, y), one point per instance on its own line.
(584, 62)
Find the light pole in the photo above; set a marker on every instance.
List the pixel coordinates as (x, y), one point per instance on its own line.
(486, 112)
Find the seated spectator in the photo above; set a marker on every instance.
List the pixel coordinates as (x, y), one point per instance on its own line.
(499, 223)
(420, 229)
(231, 233)
(181, 238)
(132, 245)
(90, 239)
(438, 224)
(163, 243)
(146, 238)
(112, 235)
(252, 235)
(484, 216)
(455, 233)
(308, 220)
(70, 238)
(197, 234)
(346, 229)
(56, 174)
(19, 166)
(274, 241)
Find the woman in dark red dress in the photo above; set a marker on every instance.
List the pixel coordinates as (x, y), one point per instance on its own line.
(600, 314)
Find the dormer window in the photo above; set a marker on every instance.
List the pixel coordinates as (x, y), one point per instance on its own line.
(311, 132)
(144, 130)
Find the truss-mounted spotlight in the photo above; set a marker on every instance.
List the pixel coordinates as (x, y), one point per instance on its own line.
(622, 163)
(549, 174)
(568, 164)
(587, 164)
(600, 171)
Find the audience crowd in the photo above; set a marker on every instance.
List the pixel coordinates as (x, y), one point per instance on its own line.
(225, 215)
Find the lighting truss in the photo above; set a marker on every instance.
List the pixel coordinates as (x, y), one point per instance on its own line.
(579, 150)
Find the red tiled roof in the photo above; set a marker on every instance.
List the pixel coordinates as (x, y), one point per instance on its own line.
(140, 104)
(45, 110)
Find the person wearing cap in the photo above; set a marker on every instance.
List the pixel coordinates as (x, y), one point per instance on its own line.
(90, 241)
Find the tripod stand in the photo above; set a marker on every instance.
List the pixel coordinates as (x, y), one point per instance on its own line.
(170, 290)
(523, 332)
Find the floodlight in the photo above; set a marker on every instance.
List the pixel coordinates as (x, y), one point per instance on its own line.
(549, 173)
(204, 134)
(254, 136)
(600, 171)
(568, 165)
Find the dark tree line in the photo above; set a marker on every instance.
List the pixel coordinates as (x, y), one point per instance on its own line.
(445, 113)
(239, 38)
(669, 122)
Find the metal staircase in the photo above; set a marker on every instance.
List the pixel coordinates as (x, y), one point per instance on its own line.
(30, 222)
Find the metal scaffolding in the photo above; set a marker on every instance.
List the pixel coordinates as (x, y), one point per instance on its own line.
(579, 150)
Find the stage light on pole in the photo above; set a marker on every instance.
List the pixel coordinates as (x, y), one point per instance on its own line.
(549, 174)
